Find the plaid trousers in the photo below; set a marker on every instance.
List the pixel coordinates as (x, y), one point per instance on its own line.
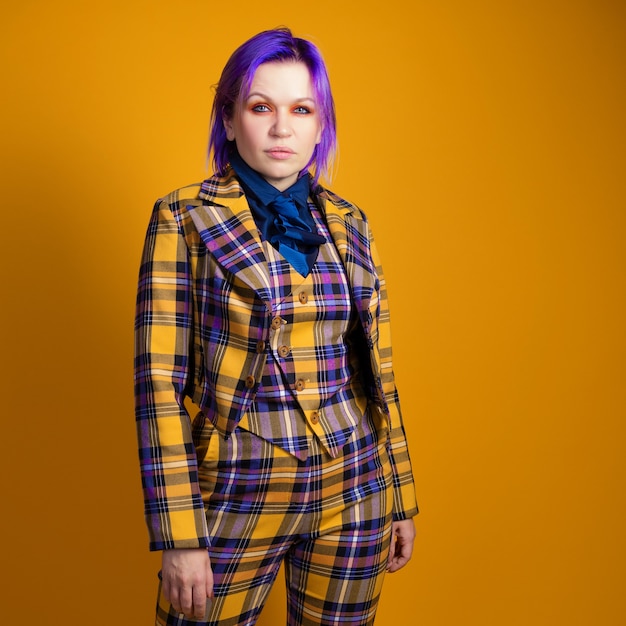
(328, 519)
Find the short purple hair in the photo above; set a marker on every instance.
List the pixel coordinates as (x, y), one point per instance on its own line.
(234, 85)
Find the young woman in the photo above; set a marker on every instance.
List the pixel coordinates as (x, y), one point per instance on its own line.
(262, 312)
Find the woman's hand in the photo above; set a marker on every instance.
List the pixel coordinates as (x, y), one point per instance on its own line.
(402, 537)
(187, 580)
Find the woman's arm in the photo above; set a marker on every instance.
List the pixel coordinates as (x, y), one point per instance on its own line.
(405, 502)
(163, 330)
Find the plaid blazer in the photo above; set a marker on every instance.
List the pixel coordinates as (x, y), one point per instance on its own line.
(204, 307)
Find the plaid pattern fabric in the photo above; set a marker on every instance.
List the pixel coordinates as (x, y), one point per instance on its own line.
(311, 379)
(203, 327)
(265, 507)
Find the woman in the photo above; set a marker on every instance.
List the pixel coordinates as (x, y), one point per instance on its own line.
(262, 311)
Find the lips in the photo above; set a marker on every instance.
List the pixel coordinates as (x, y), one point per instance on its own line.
(280, 152)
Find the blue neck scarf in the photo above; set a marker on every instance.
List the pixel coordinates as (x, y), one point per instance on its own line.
(283, 217)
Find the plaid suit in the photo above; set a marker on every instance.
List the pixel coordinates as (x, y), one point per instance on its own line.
(204, 310)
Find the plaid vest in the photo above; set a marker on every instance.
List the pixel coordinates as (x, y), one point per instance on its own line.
(310, 384)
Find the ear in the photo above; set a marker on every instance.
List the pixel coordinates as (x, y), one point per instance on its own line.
(229, 128)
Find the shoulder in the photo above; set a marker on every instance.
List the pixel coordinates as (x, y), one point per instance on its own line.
(209, 191)
(340, 204)
(221, 186)
(182, 196)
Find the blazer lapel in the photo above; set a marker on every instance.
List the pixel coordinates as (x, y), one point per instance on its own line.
(227, 228)
(350, 233)
(229, 232)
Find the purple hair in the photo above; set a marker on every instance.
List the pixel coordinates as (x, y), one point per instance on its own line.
(236, 79)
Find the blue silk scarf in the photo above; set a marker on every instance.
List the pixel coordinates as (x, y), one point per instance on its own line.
(283, 218)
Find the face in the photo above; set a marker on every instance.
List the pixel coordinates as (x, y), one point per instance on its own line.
(277, 127)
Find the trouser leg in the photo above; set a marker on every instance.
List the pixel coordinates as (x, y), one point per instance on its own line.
(336, 577)
(330, 517)
(243, 573)
(335, 572)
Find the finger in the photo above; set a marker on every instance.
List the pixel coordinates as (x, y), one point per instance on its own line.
(170, 593)
(209, 581)
(404, 551)
(397, 563)
(199, 601)
(167, 594)
(392, 551)
(186, 602)
(407, 551)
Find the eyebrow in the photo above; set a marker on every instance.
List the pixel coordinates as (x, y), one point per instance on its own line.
(264, 97)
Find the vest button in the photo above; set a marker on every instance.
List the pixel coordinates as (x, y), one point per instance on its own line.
(276, 322)
(315, 417)
(284, 351)
(250, 382)
(303, 297)
(260, 347)
(300, 384)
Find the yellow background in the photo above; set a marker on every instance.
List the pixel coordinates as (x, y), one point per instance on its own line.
(484, 139)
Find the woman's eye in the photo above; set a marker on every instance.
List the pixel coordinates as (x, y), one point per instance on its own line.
(302, 110)
(260, 108)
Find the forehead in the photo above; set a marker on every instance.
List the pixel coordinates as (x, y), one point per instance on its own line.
(290, 79)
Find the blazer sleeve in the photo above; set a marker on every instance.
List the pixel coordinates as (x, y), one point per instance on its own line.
(405, 501)
(163, 365)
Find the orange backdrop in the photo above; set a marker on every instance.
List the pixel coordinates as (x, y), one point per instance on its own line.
(498, 130)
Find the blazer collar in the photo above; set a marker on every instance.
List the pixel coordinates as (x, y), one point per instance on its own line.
(350, 232)
(227, 228)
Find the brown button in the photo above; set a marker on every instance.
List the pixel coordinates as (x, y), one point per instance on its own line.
(284, 351)
(315, 417)
(276, 322)
(300, 384)
(250, 382)
(303, 297)
(260, 347)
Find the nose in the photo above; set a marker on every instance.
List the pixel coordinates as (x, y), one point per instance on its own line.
(280, 127)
